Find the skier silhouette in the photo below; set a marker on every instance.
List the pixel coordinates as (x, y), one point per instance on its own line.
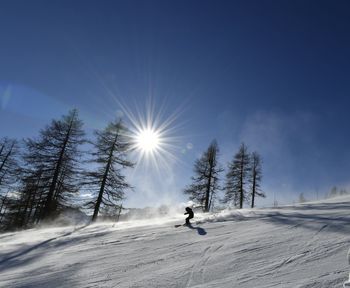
(190, 215)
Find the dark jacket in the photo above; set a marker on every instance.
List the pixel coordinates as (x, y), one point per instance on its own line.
(189, 212)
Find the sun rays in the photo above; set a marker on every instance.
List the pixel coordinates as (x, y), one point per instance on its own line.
(153, 136)
(148, 140)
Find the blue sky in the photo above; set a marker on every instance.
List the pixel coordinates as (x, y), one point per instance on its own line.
(274, 74)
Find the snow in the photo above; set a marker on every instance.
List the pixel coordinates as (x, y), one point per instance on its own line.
(293, 246)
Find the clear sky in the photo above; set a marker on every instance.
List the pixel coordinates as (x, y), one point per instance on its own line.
(274, 74)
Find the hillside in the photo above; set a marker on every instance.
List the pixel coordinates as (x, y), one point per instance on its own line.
(302, 246)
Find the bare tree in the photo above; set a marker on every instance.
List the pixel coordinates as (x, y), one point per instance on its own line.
(53, 166)
(33, 189)
(9, 177)
(238, 169)
(205, 183)
(9, 152)
(111, 149)
(255, 177)
(302, 198)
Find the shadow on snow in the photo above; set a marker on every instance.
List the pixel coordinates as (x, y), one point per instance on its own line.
(200, 230)
(23, 257)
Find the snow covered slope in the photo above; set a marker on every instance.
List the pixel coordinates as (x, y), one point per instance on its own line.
(303, 246)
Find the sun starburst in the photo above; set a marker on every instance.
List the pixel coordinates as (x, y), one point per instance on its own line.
(148, 140)
(153, 137)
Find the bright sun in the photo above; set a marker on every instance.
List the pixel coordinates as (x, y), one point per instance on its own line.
(148, 140)
(152, 138)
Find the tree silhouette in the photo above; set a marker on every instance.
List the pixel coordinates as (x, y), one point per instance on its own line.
(9, 177)
(255, 177)
(110, 157)
(53, 166)
(238, 169)
(205, 182)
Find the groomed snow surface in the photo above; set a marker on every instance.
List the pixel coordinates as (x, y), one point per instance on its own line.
(301, 246)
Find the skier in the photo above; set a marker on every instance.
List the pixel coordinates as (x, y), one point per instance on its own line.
(190, 215)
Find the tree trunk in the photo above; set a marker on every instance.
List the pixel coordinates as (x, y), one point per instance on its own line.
(4, 161)
(102, 188)
(207, 194)
(48, 205)
(241, 184)
(2, 205)
(253, 189)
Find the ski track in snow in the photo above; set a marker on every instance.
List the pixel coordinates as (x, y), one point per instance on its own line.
(298, 247)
